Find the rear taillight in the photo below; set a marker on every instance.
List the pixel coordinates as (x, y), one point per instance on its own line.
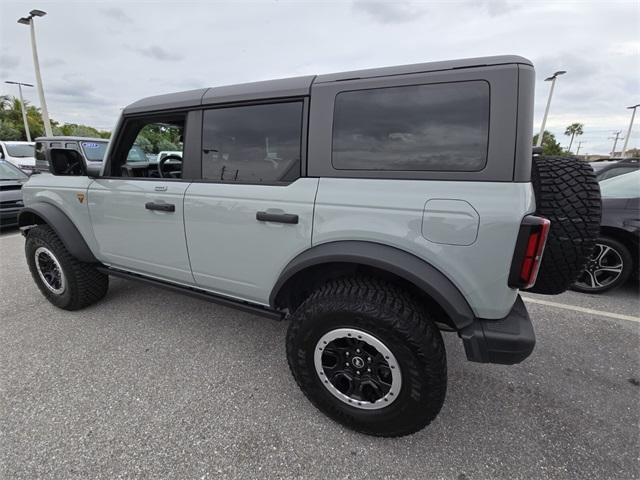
(528, 253)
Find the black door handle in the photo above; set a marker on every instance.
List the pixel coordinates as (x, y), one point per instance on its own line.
(277, 217)
(163, 207)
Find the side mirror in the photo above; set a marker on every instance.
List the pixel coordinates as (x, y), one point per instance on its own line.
(65, 162)
(93, 170)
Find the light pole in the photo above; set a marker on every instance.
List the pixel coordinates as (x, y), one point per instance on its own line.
(551, 79)
(43, 104)
(626, 139)
(24, 108)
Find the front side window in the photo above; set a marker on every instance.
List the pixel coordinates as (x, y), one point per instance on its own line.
(437, 127)
(143, 139)
(252, 144)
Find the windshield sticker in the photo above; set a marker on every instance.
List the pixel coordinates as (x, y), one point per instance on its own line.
(90, 145)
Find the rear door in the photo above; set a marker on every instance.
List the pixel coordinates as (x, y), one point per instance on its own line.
(252, 211)
(137, 212)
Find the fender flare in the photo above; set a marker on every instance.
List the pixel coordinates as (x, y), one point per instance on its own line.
(393, 260)
(45, 213)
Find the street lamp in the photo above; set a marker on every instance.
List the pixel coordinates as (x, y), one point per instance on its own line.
(626, 139)
(24, 108)
(551, 79)
(29, 21)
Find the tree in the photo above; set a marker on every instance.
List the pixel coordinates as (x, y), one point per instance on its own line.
(573, 130)
(12, 125)
(550, 145)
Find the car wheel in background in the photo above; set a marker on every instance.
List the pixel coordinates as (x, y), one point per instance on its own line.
(608, 268)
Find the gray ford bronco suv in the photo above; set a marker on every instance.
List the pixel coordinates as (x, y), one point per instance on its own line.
(372, 209)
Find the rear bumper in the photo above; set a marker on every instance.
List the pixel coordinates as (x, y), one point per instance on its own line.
(506, 341)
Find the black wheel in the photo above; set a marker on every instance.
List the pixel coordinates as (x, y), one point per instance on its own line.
(63, 280)
(567, 193)
(367, 355)
(608, 268)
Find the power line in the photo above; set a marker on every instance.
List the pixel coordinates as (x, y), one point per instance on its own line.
(615, 142)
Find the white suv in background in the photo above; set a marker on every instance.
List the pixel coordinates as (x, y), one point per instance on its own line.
(20, 154)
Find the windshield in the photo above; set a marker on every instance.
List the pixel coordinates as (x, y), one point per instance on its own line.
(9, 172)
(622, 186)
(94, 151)
(20, 150)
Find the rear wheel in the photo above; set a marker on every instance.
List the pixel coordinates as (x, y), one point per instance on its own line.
(608, 268)
(367, 355)
(567, 193)
(65, 281)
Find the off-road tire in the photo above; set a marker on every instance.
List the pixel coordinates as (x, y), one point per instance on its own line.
(398, 320)
(85, 285)
(567, 193)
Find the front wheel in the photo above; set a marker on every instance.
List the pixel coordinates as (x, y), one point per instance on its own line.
(367, 355)
(609, 267)
(64, 280)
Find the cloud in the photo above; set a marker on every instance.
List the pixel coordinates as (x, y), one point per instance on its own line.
(117, 14)
(53, 62)
(159, 53)
(387, 12)
(8, 61)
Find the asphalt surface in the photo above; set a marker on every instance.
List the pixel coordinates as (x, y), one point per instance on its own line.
(151, 384)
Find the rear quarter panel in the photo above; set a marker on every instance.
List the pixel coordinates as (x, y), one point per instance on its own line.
(391, 212)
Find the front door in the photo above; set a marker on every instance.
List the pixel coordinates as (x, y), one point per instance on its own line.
(137, 207)
(251, 212)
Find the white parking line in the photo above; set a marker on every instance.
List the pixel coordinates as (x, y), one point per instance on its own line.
(617, 316)
(10, 236)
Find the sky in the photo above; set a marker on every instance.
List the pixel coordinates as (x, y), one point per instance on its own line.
(98, 56)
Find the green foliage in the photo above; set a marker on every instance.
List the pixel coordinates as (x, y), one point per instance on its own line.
(573, 130)
(12, 126)
(155, 138)
(550, 145)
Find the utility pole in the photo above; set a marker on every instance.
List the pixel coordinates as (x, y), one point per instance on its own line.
(551, 79)
(615, 142)
(43, 104)
(626, 140)
(23, 106)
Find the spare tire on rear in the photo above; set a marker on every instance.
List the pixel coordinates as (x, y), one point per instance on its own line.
(567, 193)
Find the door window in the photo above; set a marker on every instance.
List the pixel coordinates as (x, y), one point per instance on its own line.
(141, 142)
(252, 144)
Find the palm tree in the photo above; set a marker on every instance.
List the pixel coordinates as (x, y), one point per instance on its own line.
(575, 129)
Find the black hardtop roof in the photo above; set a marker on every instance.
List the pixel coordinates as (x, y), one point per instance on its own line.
(71, 138)
(300, 86)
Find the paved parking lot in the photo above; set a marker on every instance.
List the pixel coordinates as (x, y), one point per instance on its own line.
(151, 384)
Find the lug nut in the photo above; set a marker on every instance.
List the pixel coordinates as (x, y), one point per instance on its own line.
(357, 350)
(347, 354)
(358, 372)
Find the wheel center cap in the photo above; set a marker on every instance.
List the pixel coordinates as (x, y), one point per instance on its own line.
(357, 362)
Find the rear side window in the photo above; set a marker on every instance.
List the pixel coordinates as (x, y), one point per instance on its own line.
(252, 144)
(437, 127)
